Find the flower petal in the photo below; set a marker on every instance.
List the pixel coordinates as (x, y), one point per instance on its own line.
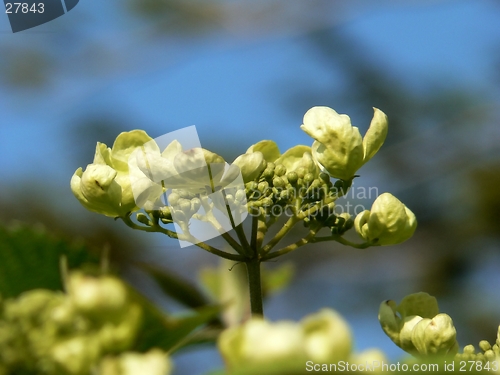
(375, 135)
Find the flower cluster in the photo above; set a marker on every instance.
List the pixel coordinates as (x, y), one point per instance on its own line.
(203, 196)
(104, 187)
(53, 333)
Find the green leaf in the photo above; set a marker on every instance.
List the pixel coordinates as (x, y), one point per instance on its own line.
(176, 287)
(29, 259)
(276, 279)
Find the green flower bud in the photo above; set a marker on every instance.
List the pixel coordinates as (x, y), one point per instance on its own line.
(268, 174)
(278, 182)
(280, 170)
(299, 157)
(270, 166)
(469, 349)
(251, 165)
(308, 178)
(327, 337)
(406, 333)
(258, 342)
(388, 223)
(417, 327)
(144, 219)
(104, 297)
(75, 356)
(489, 355)
(484, 345)
(338, 146)
(165, 213)
(154, 362)
(435, 336)
(346, 222)
(252, 190)
(267, 202)
(263, 187)
(292, 177)
(370, 356)
(104, 186)
(268, 148)
(325, 177)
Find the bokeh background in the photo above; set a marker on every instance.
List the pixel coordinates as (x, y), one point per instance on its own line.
(244, 71)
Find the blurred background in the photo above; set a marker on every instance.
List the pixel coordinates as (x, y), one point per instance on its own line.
(244, 71)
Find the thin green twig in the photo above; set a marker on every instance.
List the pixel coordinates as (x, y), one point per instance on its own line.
(172, 234)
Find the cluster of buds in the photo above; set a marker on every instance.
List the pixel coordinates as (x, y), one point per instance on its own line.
(486, 352)
(177, 182)
(260, 346)
(417, 327)
(50, 332)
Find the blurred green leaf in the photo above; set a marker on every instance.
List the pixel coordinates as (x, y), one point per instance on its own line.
(276, 279)
(229, 286)
(29, 259)
(176, 287)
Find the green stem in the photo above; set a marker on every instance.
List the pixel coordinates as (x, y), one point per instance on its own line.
(253, 238)
(314, 209)
(226, 236)
(171, 234)
(261, 230)
(282, 233)
(243, 239)
(289, 248)
(245, 247)
(255, 286)
(341, 240)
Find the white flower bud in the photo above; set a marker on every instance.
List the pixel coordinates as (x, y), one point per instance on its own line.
(389, 222)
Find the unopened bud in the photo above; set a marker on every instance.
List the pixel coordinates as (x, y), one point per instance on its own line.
(278, 182)
(144, 219)
(280, 170)
(292, 177)
(484, 345)
(263, 186)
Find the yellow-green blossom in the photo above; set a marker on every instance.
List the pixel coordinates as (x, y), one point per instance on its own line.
(320, 337)
(104, 186)
(251, 165)
(154, 362)
(389, 221)
(417, 327)
(338, 145)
